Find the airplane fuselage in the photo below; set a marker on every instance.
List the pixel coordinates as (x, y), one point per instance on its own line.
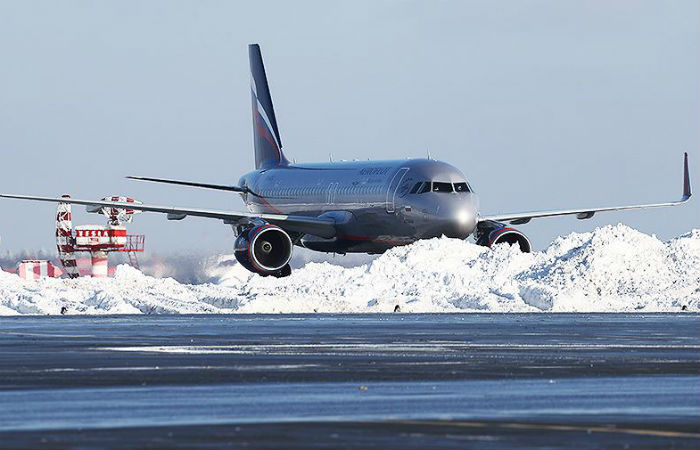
(377, 204)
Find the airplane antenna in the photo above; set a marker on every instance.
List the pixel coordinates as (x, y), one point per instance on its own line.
(427, 149)
(330, 157)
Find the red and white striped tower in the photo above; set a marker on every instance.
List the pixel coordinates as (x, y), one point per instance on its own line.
(64, 238)
(99, 264)
(98, 240)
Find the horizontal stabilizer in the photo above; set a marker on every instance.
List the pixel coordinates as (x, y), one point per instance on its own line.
(191, 183)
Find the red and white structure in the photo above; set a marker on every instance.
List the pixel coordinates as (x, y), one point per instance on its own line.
(33, 269)
(64, 239)
(98, 240)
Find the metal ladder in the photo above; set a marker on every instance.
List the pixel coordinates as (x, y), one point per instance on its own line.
(133, 260)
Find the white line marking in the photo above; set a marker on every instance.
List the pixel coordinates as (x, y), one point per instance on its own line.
(397, 347)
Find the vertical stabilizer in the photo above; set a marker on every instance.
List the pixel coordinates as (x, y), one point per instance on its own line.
(266, 136)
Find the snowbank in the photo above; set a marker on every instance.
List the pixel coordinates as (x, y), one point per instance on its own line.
(614, 268)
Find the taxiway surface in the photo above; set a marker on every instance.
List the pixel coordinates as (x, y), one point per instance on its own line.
(351, 381)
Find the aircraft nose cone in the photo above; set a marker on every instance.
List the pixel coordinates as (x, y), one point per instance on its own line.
(464, 217)
(460, 215)
(465, 220)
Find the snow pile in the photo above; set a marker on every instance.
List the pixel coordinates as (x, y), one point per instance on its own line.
(614, 268)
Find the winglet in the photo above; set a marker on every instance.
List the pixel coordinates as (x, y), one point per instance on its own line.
(686, 179)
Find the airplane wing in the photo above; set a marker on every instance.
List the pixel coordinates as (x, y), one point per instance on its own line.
(587, 213)
(323, 227)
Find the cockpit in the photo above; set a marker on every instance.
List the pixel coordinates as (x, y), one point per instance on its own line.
(422, 187)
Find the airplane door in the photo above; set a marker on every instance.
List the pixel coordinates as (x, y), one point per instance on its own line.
(393, 187)
(332, 189)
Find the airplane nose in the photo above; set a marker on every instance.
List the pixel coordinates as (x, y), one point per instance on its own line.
(464, 217)
(460, 215)
(468, 211)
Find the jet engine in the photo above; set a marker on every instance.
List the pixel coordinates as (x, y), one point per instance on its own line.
(489, 233)
(265, 249)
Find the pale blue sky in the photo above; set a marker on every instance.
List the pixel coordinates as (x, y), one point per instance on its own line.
(543, 104)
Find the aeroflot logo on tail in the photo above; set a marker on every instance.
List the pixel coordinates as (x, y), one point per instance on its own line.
(263, 114)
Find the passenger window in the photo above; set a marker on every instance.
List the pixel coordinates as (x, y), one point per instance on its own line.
(442, 187)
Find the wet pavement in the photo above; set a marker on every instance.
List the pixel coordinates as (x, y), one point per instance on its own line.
(351, 381)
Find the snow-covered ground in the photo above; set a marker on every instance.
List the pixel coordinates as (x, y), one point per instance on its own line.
(614, 268)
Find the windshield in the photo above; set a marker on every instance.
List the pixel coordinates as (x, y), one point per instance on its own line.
(422, 187)
(462, 187)
(442, 187)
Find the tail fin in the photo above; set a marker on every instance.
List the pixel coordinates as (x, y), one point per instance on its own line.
(266, 136)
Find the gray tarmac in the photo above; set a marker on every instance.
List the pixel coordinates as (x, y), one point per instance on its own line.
(351, 381)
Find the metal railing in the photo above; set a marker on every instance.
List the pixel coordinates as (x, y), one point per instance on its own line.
(134, 243)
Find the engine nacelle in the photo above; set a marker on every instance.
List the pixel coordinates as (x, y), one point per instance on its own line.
(490, 233)
(265, 249)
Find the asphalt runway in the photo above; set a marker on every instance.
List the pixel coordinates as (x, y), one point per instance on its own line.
(351, 381)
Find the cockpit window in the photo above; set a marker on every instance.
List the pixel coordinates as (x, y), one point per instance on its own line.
(462, 187)
(425, 187)
(442, 187)
(422, 187)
